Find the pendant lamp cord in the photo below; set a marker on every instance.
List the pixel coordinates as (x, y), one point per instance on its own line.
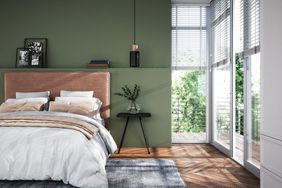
(134, 20)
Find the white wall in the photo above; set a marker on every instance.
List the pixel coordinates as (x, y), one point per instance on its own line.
(271, 51)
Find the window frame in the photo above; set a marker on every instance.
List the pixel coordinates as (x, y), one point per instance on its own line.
(204, 68)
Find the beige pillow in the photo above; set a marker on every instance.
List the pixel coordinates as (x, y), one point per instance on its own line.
(20, 107)
(95, 102)
(82, 108)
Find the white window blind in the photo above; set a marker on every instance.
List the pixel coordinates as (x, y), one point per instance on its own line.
(250, 27)
(189, 36)
(220, 10)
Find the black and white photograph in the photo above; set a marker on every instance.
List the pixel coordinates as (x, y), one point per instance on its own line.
(38, 49)
(23, 57)
(36, 60)
(35, 47)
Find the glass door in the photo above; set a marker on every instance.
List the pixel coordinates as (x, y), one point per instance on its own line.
(222, 106)
(253, 114)
(222, 75)
(247, 101)
(235, 66)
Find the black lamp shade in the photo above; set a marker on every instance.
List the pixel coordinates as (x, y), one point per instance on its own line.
(134, 58)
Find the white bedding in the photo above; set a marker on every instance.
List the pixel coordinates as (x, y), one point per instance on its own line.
(39, 153)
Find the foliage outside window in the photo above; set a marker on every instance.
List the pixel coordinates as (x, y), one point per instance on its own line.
(239, 88)
(189, 103)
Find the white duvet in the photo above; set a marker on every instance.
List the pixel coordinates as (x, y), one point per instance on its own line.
(36, 153)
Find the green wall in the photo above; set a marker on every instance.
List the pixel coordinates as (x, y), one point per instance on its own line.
(154, 98)
(79, 31)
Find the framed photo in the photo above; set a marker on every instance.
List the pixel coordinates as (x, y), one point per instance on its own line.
(36, 60)
(38, 49)
(23, 57)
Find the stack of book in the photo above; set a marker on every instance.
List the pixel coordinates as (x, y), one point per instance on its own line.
(99, 64)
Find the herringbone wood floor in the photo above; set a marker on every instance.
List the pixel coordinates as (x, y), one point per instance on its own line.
(200, 165)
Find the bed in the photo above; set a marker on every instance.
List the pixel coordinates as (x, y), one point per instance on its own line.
(60, 154)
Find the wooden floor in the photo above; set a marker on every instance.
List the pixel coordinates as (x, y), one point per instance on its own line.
(200, 165)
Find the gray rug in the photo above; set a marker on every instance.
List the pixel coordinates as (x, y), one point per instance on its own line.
(122, 174)
(143, 173)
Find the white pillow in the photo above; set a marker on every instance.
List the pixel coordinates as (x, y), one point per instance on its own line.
(22, 95)
(86, 94)
(93, 100)
(97, 103)
(25, 100)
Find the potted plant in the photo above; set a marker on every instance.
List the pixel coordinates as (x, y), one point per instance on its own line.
(131, 95)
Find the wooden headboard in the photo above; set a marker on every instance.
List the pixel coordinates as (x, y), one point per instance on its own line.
(99, 82)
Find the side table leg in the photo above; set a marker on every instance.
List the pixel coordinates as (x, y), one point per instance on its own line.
(147, 145)
(123, 134)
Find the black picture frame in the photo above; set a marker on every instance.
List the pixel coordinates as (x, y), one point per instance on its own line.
(38, 49)
(23, 57)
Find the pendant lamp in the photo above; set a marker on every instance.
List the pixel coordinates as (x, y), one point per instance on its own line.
(134, 53)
